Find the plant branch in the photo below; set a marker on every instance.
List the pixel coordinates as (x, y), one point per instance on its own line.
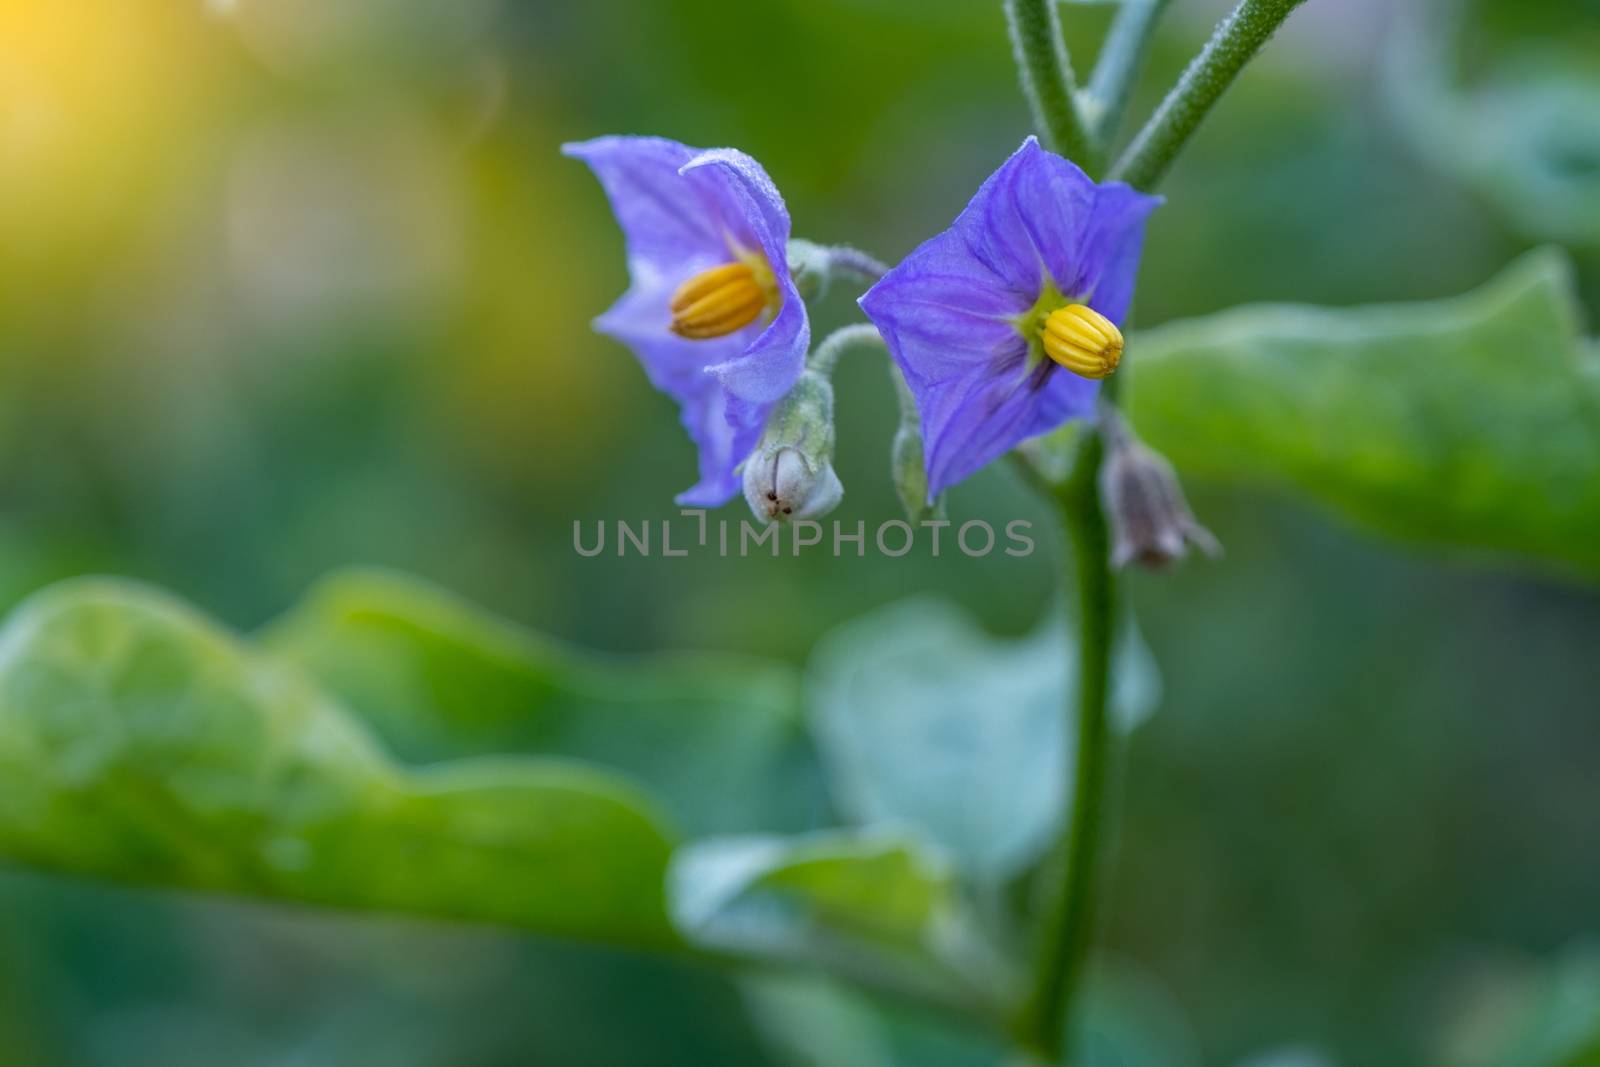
(847, 262)
(1066, 931)
(1236, 40)
(1121, 56)
(1046, 73)
(1042, 1024)
(857, 335)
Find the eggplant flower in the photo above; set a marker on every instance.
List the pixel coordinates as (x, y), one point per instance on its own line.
(1004, 324)
(712, 312)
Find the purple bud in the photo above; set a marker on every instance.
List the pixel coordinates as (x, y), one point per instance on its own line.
(1151, 523)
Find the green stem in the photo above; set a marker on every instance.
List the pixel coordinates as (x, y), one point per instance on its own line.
(1047, 80)
(852, 263)
(1120, 59)
(1067, 930)
(826, 355)
(1237, 38)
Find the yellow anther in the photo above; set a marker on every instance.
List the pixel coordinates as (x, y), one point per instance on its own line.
(1082, 340)
(716, 302)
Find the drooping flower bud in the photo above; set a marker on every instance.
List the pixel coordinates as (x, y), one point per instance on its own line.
(790, 474)
(1151, 523)
(909, 469)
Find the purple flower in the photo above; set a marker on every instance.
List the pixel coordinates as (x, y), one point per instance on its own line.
(1003, 324)
(712, 311)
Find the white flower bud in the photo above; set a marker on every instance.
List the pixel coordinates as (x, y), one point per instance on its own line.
(906, 459)
(784, 485)
(790, 474)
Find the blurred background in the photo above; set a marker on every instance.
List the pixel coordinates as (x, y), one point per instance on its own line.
(290, 284)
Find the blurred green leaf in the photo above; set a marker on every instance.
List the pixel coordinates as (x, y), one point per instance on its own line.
(719, 739)
(1525, 134)
(140, 743)
(1472, 421)
(1293, 1056)
(922, 717)
(876, 903)
(1546, 1018)
(809, 1021)
(1131, 1020)
(1127, 1020)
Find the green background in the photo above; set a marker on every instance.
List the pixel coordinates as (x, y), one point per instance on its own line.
(288, 285)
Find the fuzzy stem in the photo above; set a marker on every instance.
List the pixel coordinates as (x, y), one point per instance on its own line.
(826, 355)
(1047, 80)
(1236, 40)
(847, 262)
(1066, 931)
(1042, 1024)
(1118, 66)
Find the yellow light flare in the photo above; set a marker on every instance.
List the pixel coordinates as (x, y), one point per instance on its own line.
(94, 100)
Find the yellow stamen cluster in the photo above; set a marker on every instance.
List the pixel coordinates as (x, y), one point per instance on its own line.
(718, 301)
(1082, 340)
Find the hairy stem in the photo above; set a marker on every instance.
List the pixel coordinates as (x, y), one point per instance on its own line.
(1237, 38)
(826, 355)
(1066, 930)
(847, 262)
(1047, 80)
(1118, 66)
(1042, 1024)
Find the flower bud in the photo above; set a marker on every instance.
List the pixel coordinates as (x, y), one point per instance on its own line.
(909, 469)
(783, 485)
(1151, 523)
(790, 474)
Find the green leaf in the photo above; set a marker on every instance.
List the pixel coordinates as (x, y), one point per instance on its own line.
(140, 743)
(923, 718)
(1293, 1056)
(1549, 1017)
(1472, 422)
(1131, 1020)
(878, 903)
(1523, 131)
(1126, 1020)
(719, 739)
(808, 1021)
